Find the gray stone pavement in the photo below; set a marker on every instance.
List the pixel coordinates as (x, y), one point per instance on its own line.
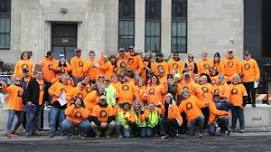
(243, 142)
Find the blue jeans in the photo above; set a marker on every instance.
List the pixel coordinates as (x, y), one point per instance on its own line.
(54, 114)
(197, 124)
(149, 132)
(238, 113)
(125, 132)
(161, 126)
(142, 132)
(67, 126)
(31, 117)
(223, 123)
(11, 115)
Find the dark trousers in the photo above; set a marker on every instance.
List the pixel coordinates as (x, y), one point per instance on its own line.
(238, 113)
(251, 92)
(171, 127)
(206, 114)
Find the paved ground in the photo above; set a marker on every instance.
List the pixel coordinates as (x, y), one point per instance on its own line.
(247, 142)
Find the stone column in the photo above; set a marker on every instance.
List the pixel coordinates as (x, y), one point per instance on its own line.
(140, 24)
(166, 27)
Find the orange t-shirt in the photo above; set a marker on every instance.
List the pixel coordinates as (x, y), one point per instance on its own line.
(91, 101)
(15, 97)
(236, 94)
(76, 115)
(102, 113)
(126, 92)
(23, 64)
(155, 66)
(204, 66)
(156, 93)
(77, 67)
(175, 65)
(231, 66)
(192, 107)
(251, 71)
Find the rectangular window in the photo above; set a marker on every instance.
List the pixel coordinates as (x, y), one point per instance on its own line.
(5, 17)
(153, 25)
(126, 23)
(179, 26)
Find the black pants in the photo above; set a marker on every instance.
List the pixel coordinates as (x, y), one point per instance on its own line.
(206, 114)
(251, 92)
(171, 127)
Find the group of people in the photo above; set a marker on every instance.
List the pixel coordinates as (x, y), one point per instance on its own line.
(131, 94)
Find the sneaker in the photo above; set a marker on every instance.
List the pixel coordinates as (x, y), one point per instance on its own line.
(52, 135)
(165, 137)
(108, 136)
(242, 131)
(218, 131)
(70, 137)
(27, 134)
(8, 134)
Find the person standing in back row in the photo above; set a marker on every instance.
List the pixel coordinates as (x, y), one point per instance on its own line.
(250, 75)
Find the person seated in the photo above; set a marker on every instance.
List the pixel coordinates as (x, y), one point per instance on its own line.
(76, 117)
(139, 127)
(172, 120)
(217, 118)
(103, 121)
(192, 106)
(153, 117)
(125, 117)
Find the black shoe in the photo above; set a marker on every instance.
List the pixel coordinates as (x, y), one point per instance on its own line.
(52, 135)
(254, 105)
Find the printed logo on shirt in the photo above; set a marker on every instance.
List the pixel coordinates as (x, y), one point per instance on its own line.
(204, 89)
(151, 91)
(131, 61)
(125, 87)
(229, 64)
(247, 66)
(103, 114)
(81, 63)
(190, 67)
(234, 91)
(189, 106)
(206, 66)
(78, 114)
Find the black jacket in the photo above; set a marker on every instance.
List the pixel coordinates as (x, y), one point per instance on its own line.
(32, 92)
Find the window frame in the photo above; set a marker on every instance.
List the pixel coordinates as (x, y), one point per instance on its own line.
(4, 15)
(130, 19)
(179, 20)
(154, 19)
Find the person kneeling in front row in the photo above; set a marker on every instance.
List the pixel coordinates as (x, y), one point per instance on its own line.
(76, 117)
(103, 118)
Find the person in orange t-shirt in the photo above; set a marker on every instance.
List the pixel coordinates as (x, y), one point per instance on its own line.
(232, 64)
(90, 66)
(77, 66)
(47, 66)
(160, 64)
(15, 105)
(24, 65)
(175, 64)
(125, 91)
(156, 91)
(217, 63)
(103, 118)
(250, 75)
(76, 117)
(191, 66)
(192, 106)
(238, 99)
(141, 92)
(134, 62)
(171, 118)
(204, 64)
